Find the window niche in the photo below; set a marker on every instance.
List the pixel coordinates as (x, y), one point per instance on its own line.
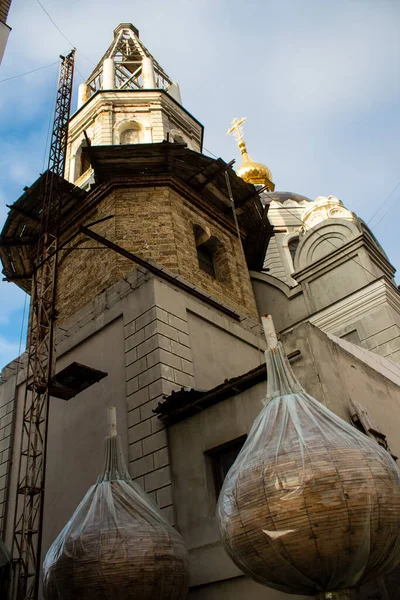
(210, 253)
(82, 161)
(130, 133)
(222, 458)
(293, 245)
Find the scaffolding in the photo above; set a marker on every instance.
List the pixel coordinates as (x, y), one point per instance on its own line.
(28, 518)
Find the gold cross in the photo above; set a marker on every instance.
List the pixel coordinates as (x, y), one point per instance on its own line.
(236, 128)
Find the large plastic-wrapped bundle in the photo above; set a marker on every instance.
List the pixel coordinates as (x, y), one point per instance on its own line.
(5, 570)
(311, 505)
(117, 545)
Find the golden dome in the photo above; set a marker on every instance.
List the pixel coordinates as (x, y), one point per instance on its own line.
(251, 171)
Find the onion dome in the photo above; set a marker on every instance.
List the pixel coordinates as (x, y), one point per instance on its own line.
(311, 505)
(251, 171)
(117, 545)
(5, 570)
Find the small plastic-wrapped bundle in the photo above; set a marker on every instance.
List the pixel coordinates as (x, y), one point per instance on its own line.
(311, 505)
(5, 570)
(117, 545)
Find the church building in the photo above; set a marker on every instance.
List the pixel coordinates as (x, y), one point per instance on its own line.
(168, 259)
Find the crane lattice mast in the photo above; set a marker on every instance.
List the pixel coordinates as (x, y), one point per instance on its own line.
(28, 519)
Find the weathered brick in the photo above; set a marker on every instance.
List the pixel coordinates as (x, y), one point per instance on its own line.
(178, 323)
(161, 458)
(138, 432)
(157, 479)
(183, 339)
(138, 398)
(134, 340)
(155, 442)
(163, 329)
(164, 496)
(169, 514)
(134, 417)
(132, 386)
(139, 366)
(135, 451)
(146, 410)
(183, 379)
(130, 356)
(142, 466)
(187, 367)
(180, 350)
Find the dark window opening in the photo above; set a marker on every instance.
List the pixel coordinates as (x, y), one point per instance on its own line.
(206, 261)
(222, 458)
(293, 245)
(85, 163)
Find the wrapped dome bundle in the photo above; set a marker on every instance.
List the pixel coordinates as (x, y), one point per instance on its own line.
(311, 505)
(117, 545)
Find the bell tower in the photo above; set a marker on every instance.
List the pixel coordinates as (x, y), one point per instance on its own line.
(127, 99)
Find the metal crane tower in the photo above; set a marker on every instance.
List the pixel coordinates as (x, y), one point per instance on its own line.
(28, 519)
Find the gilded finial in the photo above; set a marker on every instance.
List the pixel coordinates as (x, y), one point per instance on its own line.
(251, 171)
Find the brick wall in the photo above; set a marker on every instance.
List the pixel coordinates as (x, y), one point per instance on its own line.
(158, 360)
(155, 223)
(4, 8)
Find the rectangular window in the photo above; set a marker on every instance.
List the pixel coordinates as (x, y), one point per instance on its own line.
(206, 262)
(222, 458)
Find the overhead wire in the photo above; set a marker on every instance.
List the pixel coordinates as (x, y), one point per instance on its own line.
(383, 204)
(62, 33)
(65, 37)
(28, 72)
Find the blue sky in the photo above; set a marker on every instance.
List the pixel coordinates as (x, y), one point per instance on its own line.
(318, 81)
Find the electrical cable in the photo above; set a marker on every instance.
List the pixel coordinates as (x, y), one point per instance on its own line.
(64, 36)
(28, 72)
(383, 203)
(384, 214)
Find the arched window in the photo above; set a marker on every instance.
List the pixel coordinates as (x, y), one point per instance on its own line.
(293, 245)
(178, 139)
(131, 134)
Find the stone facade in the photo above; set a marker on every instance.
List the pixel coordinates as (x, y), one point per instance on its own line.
(340, 279)
(107, 115)
(165, 236)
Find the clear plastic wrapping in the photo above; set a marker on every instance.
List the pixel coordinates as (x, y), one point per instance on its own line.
(311, 504)
(117, 545)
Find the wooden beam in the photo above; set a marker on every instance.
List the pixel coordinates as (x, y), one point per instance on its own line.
(199, 186)
(160, 272)
(16, 242)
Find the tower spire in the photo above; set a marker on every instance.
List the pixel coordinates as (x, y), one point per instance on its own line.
(127, 65)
